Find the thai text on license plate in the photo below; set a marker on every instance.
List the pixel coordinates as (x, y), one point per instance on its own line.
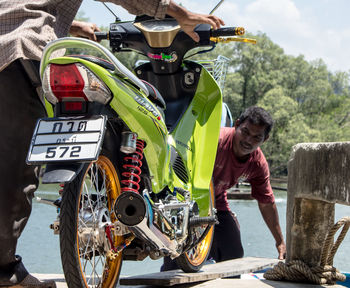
(66, 139)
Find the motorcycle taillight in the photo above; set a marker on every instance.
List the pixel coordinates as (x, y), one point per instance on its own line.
(66, 82)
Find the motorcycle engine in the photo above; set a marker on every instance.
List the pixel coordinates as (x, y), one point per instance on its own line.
(171, 216)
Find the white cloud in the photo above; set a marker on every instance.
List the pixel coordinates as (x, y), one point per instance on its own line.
(294, 29)
(333, 47)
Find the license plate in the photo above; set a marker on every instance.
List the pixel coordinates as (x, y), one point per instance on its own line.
(67, 139)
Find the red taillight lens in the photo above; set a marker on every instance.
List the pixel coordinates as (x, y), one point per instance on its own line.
(73, 106)
(66, 81)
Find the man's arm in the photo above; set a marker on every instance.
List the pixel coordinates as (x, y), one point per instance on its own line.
(270, 215)
(84, 29)
(189, 20)
(159, 8)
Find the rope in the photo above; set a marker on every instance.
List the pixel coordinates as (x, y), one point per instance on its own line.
(325, 273)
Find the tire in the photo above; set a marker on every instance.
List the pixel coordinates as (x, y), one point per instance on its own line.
(194, 259)
(86, 209)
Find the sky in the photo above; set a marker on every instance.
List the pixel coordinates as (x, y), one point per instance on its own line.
(313, 28)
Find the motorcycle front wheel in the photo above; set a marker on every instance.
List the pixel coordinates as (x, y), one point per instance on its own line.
(86, 227)
(194, 259)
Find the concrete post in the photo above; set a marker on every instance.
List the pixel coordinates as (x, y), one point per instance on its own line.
(318, 177)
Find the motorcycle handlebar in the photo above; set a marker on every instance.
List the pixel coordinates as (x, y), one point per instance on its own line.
(101, 36)
(228, 31)
(222, 32)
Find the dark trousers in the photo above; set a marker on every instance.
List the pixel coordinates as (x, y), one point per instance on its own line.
(226, 244)
(20, 107)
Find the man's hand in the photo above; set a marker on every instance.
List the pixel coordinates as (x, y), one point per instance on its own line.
(189, 20)
(84, 30)
(281, 248)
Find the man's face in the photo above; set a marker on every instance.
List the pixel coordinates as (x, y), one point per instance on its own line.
(248, 138)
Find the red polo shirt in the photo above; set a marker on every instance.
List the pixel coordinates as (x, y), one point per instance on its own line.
(228, 171)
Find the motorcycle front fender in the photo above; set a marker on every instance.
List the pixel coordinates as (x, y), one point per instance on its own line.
(61, 172)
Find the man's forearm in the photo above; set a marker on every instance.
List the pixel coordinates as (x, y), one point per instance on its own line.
(270, 215)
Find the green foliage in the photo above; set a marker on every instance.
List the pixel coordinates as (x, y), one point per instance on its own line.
(289, 128)
(307, 102)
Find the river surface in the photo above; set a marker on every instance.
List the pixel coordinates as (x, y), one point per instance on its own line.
(39, 247)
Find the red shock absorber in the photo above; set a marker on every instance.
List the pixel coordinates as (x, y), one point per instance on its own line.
(132, 169)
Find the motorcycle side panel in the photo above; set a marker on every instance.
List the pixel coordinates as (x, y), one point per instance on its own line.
(196, 138)
(140, 115)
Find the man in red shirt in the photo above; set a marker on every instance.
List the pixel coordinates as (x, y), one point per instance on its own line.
(239, 157)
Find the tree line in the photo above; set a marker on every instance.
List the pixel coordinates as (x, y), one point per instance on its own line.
(308, 102)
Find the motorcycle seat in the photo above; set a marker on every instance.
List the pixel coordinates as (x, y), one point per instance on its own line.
(154, 95)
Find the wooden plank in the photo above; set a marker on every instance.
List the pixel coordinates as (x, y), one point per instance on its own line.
(217, 283)
(208, 272)
(229, 283)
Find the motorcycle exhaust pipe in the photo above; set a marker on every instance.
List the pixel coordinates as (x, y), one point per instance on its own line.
(131, 211)
(130, 208)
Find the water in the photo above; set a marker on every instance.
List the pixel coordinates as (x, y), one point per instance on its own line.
(39, 247)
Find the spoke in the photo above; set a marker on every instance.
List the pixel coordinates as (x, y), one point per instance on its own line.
(102, 191)
(94, 213)
(91, 204)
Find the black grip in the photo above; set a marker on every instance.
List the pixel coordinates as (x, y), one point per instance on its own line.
(102, 36)
(228, 31)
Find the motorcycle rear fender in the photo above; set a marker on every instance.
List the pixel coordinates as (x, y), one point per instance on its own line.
(61, 172)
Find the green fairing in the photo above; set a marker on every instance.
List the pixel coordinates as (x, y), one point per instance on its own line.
(199, 130)
(149, 129)
(195, 137)
(137, 118)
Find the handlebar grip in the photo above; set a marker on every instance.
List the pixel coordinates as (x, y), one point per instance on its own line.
(102, 36)
(228, 31)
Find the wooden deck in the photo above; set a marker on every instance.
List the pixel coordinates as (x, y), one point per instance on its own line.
(210, 276)
(208, 272)
(218, 283)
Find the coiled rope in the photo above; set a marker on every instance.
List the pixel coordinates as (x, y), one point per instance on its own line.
(325, 273)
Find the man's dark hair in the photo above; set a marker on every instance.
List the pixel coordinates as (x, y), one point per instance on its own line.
(257, 116)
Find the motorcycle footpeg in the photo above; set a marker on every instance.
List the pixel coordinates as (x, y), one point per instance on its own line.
(199, 221)
(55, 226)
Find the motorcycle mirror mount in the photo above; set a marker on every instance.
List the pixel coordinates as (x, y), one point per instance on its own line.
(117, 19)
(216, 7)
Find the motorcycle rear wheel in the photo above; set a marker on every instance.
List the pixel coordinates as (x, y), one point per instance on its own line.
(194, 259)
(85, 217)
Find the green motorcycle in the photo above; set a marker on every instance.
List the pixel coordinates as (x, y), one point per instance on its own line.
(134, 152)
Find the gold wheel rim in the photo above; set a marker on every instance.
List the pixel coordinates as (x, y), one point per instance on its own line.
(113, 190)
(198, 254)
